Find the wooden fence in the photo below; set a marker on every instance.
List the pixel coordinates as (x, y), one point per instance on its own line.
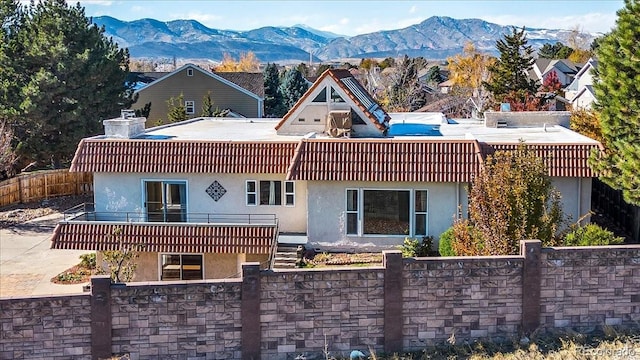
(42, 185)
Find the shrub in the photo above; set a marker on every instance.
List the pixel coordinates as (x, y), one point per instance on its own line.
(444, 245)
(590, 235)
(88, 261)
(416, 248)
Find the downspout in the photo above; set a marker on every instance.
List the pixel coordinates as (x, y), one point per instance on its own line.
(579, 197)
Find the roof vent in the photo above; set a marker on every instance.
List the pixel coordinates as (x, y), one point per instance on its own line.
(127, 113)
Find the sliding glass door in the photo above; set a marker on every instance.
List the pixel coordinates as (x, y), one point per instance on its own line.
(166, 201)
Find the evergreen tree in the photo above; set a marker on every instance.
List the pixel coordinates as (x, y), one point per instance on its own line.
(292, 88)
(555, 51)
(509, 74)
(207, 105)
(273, 101)
(177, 110)
(11, 19)
(618, 100)
(404, 92)
(71, 78)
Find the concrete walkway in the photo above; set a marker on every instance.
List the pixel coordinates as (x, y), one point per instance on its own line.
(27, 264)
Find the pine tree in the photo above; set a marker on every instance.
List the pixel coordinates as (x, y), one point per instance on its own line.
(177, 110)
(292, 88)
(273, 101)
(509, 74)
(207, 105)
(72, 77)
(618, 100)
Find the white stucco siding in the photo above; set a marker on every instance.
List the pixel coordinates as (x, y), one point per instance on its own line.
(327, 212)
(576, 196)
(124, 193)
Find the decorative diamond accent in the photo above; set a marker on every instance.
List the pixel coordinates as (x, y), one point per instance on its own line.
(215, 190)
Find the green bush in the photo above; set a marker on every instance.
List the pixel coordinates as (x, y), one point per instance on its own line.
(591, 235)
(88, 261)
(417, 248)
(444, 245)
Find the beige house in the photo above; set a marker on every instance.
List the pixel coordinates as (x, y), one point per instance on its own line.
(337, 172)
(240, 93)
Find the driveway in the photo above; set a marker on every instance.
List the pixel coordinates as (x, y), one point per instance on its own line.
(27, 264)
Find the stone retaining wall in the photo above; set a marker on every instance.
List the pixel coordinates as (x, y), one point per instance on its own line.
(404, 305)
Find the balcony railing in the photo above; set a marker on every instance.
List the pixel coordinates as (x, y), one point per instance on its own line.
(86, 212)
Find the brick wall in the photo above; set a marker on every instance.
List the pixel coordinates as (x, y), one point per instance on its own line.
(300, 310)
(154, 320)
(471, 298)
(45, 328)
(403, 305)
(586, 287)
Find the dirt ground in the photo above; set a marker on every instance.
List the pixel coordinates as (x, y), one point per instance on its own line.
(19, 213)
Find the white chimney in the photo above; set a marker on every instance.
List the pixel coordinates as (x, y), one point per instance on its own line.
(127, 126)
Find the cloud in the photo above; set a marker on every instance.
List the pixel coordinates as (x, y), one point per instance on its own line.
(209, 20)
(591, 22)
(413, 10)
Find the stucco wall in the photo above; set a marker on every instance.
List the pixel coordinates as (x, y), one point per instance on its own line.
(576, 196)
(114, 192)
(327, 212)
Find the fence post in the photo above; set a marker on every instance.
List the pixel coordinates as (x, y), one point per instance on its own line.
(531, 285)
(250, 311)
(392, 260)
(100, 317)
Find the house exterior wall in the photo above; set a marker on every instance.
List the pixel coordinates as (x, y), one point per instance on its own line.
(194, 88)
(123, 192)
(310, 110)
(327, 212)
(576, 196)
(215, 266)
(585, 101)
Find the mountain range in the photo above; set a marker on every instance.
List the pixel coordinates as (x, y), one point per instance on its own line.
(435, 38)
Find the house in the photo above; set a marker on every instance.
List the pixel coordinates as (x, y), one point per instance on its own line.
(580, 92)
(336, 172)
(564, 69)
(240, 93)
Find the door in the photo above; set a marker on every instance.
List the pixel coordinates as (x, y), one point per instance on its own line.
(166, 201)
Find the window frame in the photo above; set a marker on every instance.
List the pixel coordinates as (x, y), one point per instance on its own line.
(254, 193)
(165, 204)
(190, 72)
(359, 211)
(291, 193)
(181, 266)
(192, 104)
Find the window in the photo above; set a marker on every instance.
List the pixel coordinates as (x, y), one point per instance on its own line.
(335, 97)
(189, 72)
(289, 193)
(356, 119)
(386, 212)
(352, 212)
(165, 201)
(270, 192)
(190, 107)
(322, 97)
(316, 120)
(301, 119)
(181, 267)
(252, 193)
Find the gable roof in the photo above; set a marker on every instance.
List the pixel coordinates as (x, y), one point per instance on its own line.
(207, 73)
(354, 90)
(253, 82)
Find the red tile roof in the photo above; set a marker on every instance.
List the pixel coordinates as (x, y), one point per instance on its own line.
(169, 156)
(337, 75)
(562, 160)
(159, 237)
(386, 160)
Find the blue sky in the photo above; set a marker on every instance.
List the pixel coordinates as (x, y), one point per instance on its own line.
(360, 17)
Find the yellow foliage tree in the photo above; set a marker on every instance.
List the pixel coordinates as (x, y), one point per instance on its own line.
(248, 62)
(468, 70)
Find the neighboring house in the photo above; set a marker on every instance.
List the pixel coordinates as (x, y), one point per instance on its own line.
(580, 92)
(445, 86)
(337, 172)
(564, 69)
(240, 93)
